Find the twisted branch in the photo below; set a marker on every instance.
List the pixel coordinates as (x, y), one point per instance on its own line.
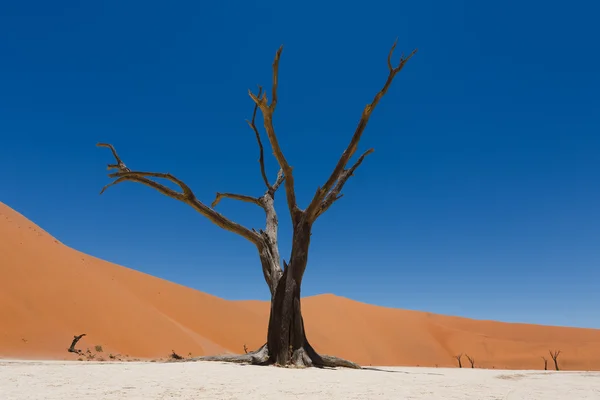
(186, 195)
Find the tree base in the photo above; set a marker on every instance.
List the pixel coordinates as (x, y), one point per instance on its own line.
(301, 358)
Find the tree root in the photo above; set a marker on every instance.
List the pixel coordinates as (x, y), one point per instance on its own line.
(323, 360)
(301, 358)
(334, 362)
(257, 357)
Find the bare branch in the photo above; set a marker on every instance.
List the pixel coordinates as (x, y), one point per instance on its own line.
(268, 250)
(249, 199)
(267, 111)
(240, 197)
(322, 192)
(335, 192)
(140, 179)
(186, 191)
(186, 195)
(279, 181)
(275, 77)
(261, 159)
(389, 59)
(120, 165)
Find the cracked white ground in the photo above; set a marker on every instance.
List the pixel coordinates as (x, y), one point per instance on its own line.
(63, 380)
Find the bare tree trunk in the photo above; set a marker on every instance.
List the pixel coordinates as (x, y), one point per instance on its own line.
(76, 339)
(286, 337)
(268, 249)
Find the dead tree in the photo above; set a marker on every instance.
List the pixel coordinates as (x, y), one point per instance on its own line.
(471, 360)
(554, 354)
(545, 363)
(76, 339)
(458, 358)
(286, 324)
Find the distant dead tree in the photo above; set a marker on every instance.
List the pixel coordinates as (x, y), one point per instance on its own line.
(286, 324)
(458, 358)
(76, 339)
(245, 349)
(554, 354)
(545, 363)
(471, 360)
(175, 356)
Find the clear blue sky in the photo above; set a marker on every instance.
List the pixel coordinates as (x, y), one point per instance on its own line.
(482, 198)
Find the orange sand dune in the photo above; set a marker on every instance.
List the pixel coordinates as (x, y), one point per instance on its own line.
(49, 292)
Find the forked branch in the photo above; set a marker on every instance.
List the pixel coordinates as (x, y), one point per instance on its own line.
(271, 189)
(335, 193)
(259, 201)
(267, 111)
(186, 195)
(316, 205)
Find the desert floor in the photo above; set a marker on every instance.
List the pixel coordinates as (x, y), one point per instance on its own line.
(206, 380)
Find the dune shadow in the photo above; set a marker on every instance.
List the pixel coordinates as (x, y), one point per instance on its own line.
(384, 370)
(400, 372)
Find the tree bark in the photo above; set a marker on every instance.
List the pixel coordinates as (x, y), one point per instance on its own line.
(286, 337)
(268, 249)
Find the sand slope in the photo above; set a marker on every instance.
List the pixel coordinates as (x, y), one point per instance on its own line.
(49, 292)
